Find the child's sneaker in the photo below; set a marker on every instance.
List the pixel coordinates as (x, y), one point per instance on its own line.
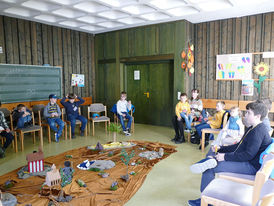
(2, 152)
(203, 165)
(128, 134)
(82, 133)
(191, 132)
(125, 132)
(56, 137)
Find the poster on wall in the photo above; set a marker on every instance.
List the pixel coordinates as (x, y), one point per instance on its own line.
(247, 87)
(78, 80)
(234, 66)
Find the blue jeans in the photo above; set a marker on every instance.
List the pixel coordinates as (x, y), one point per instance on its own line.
(188, 119)
(52, 123)
(122, 120)
(225, 166)
(9, 137)
(201, 126)
(22, 120)
(72, 118)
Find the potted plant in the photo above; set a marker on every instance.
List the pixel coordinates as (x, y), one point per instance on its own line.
(114, 128)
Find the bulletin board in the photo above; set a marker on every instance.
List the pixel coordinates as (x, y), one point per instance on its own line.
(234, 66)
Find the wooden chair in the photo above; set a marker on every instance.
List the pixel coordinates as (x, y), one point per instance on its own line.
(38, 109)
(78, 122)
(231, 193)
(32, 129)
(98, 108)
(116, 120)
(8, 117)
(212, 131)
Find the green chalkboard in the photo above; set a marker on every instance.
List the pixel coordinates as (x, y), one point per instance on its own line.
(20, 83)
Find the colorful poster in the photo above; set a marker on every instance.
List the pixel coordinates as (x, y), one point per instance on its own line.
(248, 87)
(234, 66)
(78, 80)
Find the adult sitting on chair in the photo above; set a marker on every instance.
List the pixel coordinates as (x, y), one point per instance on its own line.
(243, 157)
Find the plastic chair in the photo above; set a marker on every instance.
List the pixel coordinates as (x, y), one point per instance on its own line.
(98, 108)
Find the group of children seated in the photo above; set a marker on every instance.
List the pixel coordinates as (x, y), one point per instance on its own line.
(231, 133)
(22, 118)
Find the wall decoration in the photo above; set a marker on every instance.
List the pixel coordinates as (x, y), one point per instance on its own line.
(190, 56)
(78, 80)
(261, 69)
(247, 87)
(234, 66)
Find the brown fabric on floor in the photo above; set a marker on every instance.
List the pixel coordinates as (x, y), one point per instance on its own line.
(97, 192)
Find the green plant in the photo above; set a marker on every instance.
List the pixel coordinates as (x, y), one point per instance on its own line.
(126, 157)
(114, 128)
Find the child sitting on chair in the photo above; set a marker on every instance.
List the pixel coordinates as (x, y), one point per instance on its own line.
(213, 122)
(73, 113)
(183, 111)
(233, 130)
(123, 106)
(22, 117)
(52, 113)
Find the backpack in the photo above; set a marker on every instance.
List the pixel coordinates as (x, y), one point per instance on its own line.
(223, 118)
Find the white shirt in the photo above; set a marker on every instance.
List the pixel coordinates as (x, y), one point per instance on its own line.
(122, 106)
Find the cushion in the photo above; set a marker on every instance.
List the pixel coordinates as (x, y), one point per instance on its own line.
(101, 118)
(242, 176)
(229, 191)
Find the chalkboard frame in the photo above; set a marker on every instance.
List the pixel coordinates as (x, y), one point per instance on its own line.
(22, 83)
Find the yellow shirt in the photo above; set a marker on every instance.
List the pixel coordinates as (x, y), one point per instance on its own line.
(216, 121)
(182, 107)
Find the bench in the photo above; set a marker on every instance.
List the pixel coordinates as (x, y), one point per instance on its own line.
(211, 104)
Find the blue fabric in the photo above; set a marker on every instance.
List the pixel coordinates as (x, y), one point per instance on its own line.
(268, 150)
(122, 120)
(52, 123)
(73, 118)
(233, 123)
(22, 120)
(226, 166)
(201, 126)
(188, 119)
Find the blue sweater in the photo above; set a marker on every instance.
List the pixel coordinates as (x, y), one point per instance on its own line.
(253, 143)
(72, 108)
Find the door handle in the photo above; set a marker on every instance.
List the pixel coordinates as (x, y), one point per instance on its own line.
(147, 93)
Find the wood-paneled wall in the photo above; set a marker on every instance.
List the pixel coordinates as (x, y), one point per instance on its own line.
(31, 43)
(112, 49)
(238, 35)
